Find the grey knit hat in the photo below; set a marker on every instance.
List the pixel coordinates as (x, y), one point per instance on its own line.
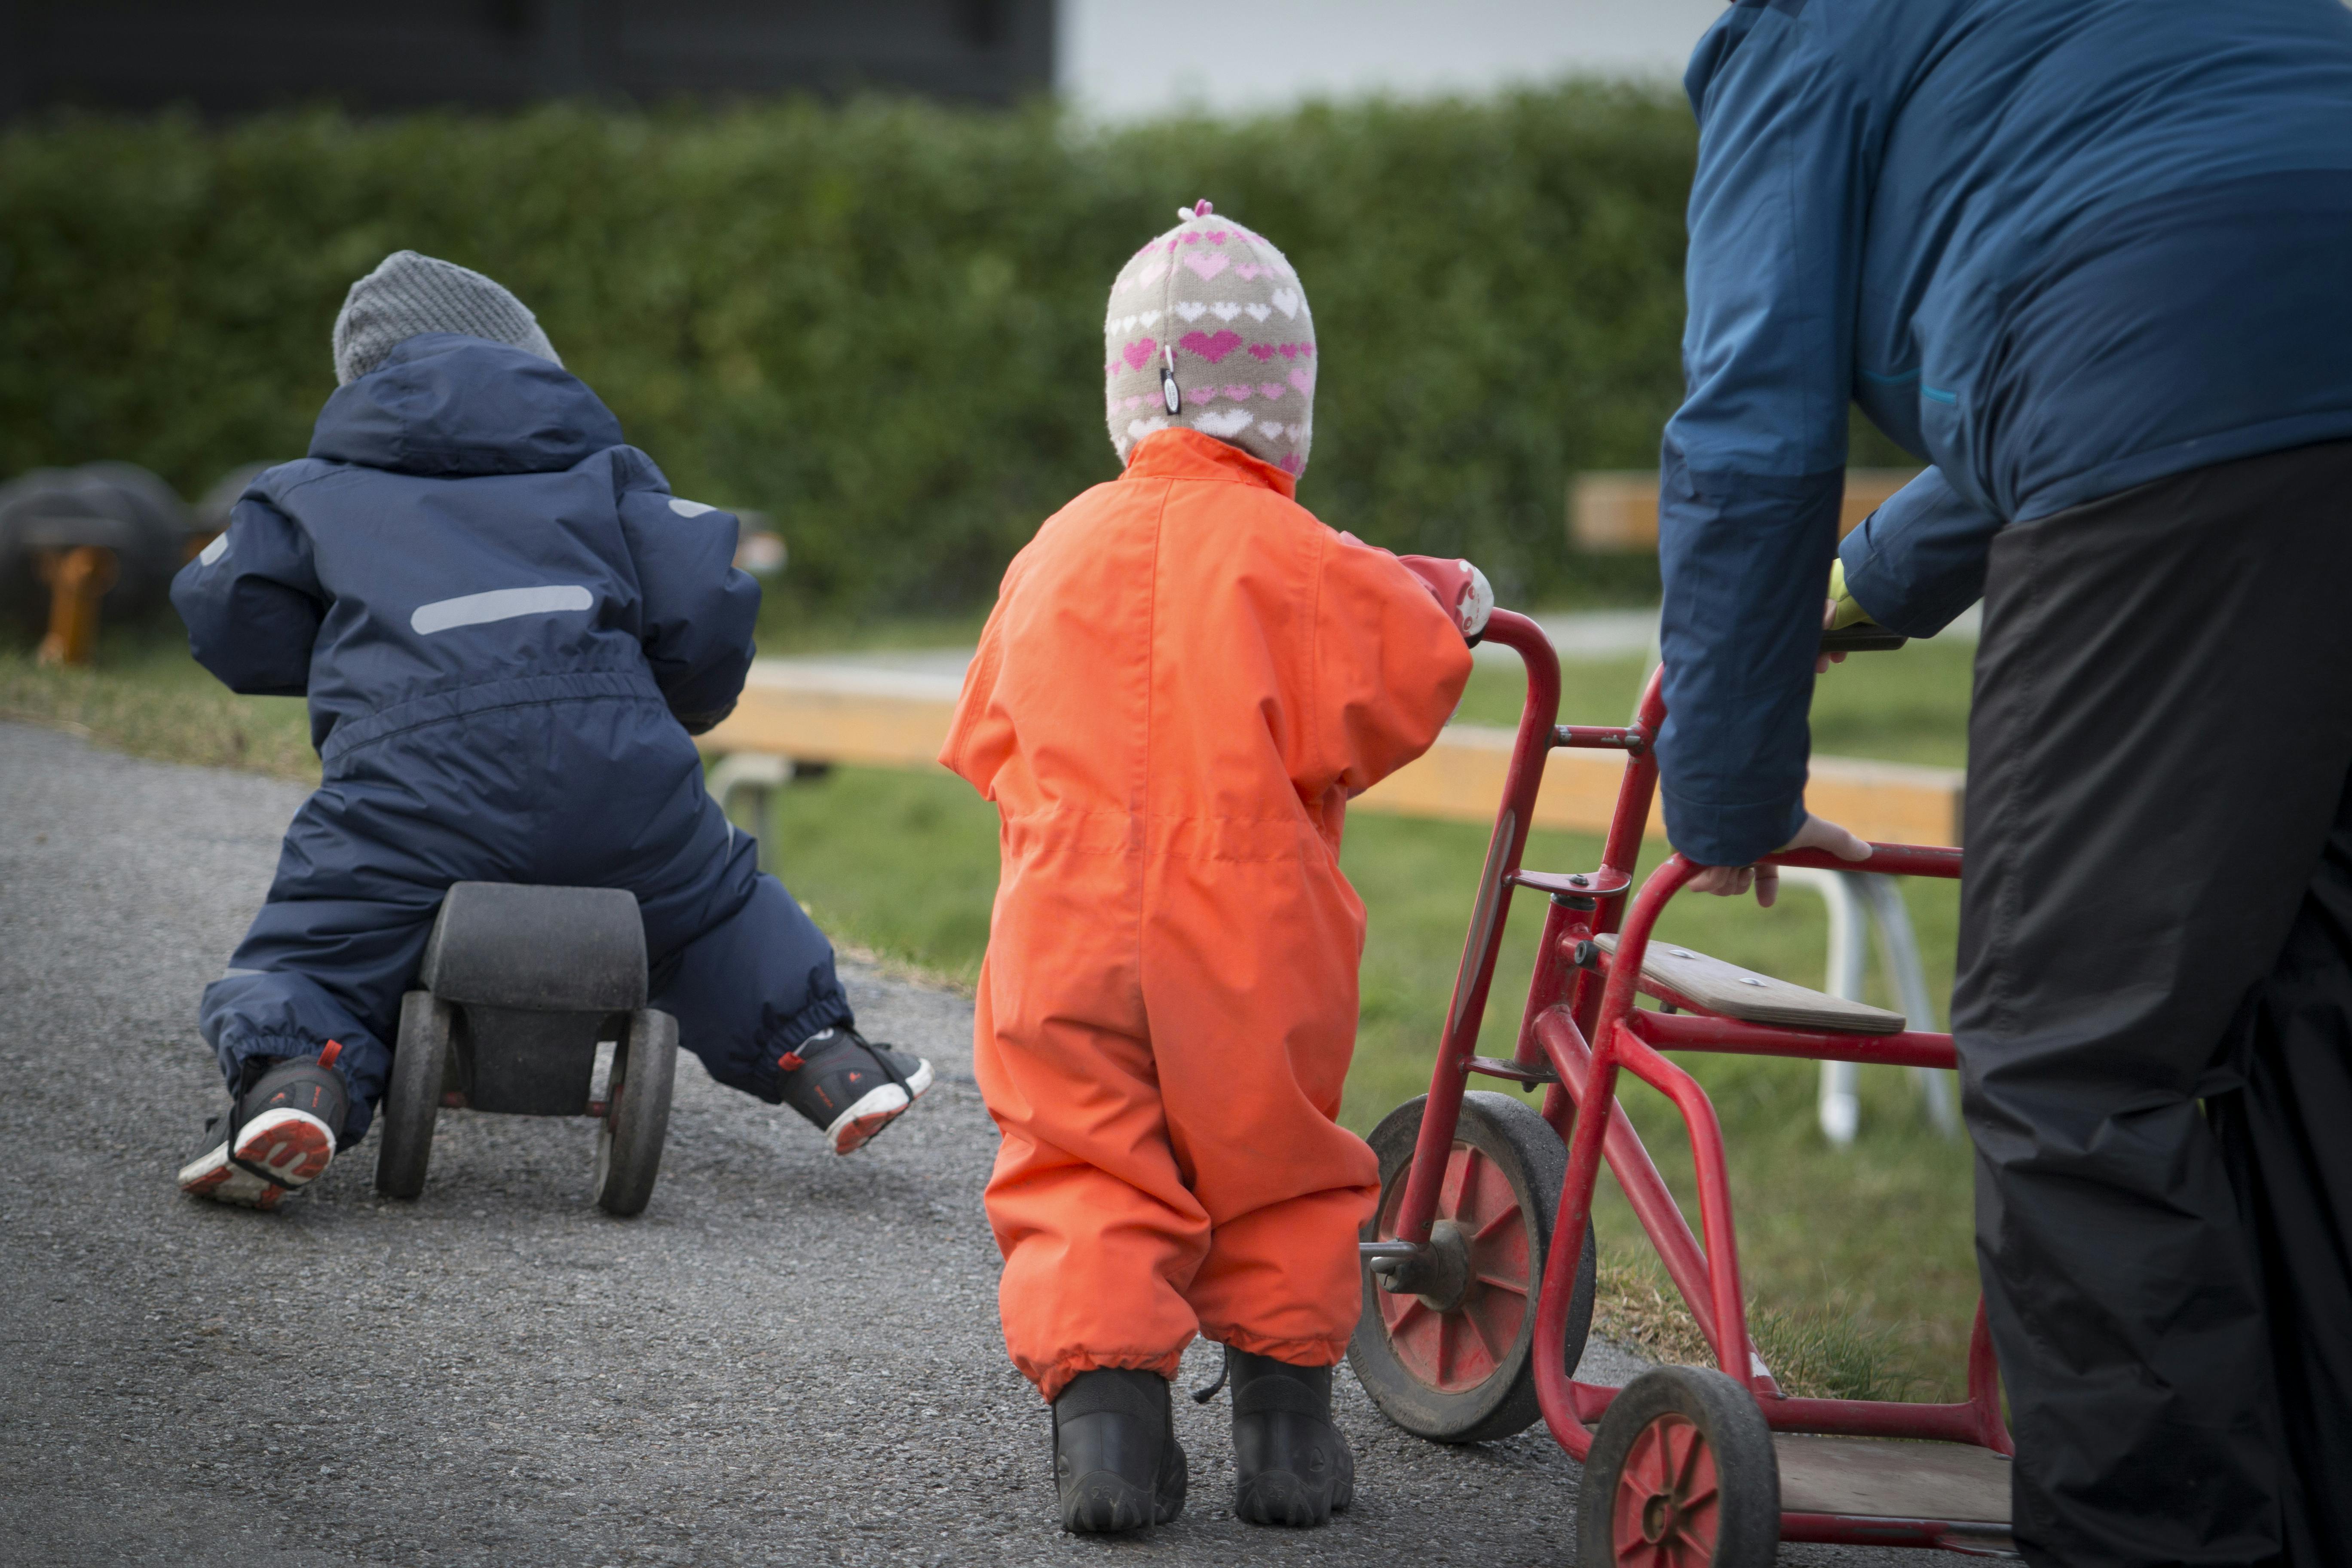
(409, 294)
(1209, 329)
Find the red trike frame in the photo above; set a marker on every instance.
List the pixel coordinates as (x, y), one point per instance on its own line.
(1570, 1004)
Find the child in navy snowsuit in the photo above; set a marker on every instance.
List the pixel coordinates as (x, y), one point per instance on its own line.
(508, 629)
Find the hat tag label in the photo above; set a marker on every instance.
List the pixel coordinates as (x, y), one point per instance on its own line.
(1169, 393)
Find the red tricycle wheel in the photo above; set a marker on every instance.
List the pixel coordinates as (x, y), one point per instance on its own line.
(1682, 1474)
(1455, 1345)
(1447, 1351)
(1664, 1512)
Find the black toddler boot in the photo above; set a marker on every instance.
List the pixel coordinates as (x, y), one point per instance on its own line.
(1293, 1465)
(1115, 1455)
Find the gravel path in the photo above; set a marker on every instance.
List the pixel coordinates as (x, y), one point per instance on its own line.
(790, 1358)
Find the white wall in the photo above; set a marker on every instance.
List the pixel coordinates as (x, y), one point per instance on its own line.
(1125, 58)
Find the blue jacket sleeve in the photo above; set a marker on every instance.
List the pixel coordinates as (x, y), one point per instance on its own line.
(252, 603)
(1752, 466)
(698, 612)
(1919, 560)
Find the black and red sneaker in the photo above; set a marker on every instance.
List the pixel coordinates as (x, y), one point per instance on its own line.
(274, 1138)
(850, 1087)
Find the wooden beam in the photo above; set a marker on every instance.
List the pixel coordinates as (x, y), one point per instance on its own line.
(1617, 509)
(812, 711)
(1460, 779)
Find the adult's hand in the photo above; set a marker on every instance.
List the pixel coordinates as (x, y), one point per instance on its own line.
(1818, 833)
(1823, 661)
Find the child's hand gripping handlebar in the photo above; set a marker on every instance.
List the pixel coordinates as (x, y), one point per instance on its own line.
(1459, 588)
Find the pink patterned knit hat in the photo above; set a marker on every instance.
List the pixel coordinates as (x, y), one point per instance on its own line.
(1209, 330)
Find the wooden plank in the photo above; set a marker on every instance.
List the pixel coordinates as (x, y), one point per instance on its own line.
(1460, 779)
(1617, 509)
(1888, 803)
(839, 713)
(813, 711)
(1752, 998)
(1950, 1482)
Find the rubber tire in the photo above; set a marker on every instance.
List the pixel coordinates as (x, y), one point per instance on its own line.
(1521, 1144)
(412, 1099)
(636, 1114)
(1747, 1472)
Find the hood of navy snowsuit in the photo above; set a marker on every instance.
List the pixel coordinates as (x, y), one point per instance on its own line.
(505, 625)
(2058, 249)
(450, 406)
(468, 530)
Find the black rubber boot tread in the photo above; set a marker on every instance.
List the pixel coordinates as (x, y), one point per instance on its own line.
(1116, 1464)
(1293, 1467)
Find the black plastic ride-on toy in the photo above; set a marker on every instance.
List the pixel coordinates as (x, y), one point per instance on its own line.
(519, 986)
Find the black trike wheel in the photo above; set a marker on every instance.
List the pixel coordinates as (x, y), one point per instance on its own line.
(1681, 1475)
(1454, 1360)
(412, 1099)
(636, 1114)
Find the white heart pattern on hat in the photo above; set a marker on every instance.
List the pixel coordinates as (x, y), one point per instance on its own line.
(1229, 304)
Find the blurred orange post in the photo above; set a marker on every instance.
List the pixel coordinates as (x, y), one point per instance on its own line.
(78, 577)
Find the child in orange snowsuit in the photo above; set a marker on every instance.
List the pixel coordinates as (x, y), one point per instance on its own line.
(1185, 678)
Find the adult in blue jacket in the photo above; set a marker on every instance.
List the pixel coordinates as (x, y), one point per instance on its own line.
(2086, 258)
(507, 627)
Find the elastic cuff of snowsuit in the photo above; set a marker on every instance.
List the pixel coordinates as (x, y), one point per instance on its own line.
(1056, 1376)
(1730, 835)
(1294, 1352)
(763, 1077)
(236, 1051)
(703, 723)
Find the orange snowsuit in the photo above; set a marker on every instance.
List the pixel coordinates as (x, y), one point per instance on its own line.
(1185, 677)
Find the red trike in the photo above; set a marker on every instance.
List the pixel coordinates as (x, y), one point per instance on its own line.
(1476, 1306)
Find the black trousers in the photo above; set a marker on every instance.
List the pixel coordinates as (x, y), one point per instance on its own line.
(2153, 1014)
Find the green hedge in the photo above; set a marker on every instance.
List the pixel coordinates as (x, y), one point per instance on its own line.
(880, 323)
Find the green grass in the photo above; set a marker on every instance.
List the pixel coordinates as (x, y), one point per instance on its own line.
(901, 864)
(1857, 1261)
(1858, 1258)
(147, 697)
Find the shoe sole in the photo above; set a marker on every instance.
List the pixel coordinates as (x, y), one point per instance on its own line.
(1103, 1503)
(875, 1109)
(293, 1146)
(1280, 1498)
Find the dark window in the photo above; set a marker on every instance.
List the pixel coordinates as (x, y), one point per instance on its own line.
(229, 56)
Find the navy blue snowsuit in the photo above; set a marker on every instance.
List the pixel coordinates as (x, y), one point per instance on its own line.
(505, 624)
